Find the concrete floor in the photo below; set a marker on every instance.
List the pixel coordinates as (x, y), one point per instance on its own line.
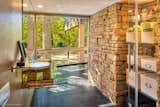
(72, 89)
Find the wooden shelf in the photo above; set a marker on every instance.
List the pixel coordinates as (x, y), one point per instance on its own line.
(142, 43)
(40, 83)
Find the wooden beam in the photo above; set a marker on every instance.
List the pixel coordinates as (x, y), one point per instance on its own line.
(57, 14)
(35, 36)
(60, 50)
(81, 41)
(30, 39)
(46, 35)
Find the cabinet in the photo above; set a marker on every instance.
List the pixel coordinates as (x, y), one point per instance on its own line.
(37, 74)
(149, 85)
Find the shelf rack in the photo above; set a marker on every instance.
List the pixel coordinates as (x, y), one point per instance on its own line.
(131, 47)
(133, 50)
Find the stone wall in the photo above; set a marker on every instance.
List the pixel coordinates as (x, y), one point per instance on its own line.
(108, 50)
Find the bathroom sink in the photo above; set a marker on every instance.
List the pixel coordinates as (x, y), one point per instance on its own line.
(39, 65)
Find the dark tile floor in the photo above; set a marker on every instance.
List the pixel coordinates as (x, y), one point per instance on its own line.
(72, 89)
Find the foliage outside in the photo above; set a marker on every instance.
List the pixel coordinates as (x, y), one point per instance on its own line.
(60, 37)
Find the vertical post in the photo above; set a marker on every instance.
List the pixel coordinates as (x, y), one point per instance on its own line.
(30, 39)
(81, 41)
(46, 33)
(129, 69)
(158, 50)
(88, 44)
(136, 55)
(35, 37)
(43, 33)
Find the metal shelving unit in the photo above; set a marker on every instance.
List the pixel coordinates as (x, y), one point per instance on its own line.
(133, 49)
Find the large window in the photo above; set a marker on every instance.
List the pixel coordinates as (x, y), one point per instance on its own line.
(54, 32)
(60, 36)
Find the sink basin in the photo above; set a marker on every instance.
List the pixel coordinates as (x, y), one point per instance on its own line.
(39, 65)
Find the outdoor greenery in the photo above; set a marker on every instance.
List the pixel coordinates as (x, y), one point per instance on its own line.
(25, 28)
(60, 37)
(39, 31)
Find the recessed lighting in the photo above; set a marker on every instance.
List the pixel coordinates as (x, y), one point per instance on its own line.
(40, 6)
(25, 5)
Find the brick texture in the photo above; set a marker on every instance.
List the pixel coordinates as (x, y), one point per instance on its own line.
(108, 50)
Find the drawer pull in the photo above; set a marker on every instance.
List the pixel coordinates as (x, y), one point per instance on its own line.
(148, 85)
(148, 66)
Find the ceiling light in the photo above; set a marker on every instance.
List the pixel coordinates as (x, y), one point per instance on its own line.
(40, 6)
(25, 5)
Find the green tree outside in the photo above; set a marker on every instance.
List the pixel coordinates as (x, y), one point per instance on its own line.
(60, 37)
